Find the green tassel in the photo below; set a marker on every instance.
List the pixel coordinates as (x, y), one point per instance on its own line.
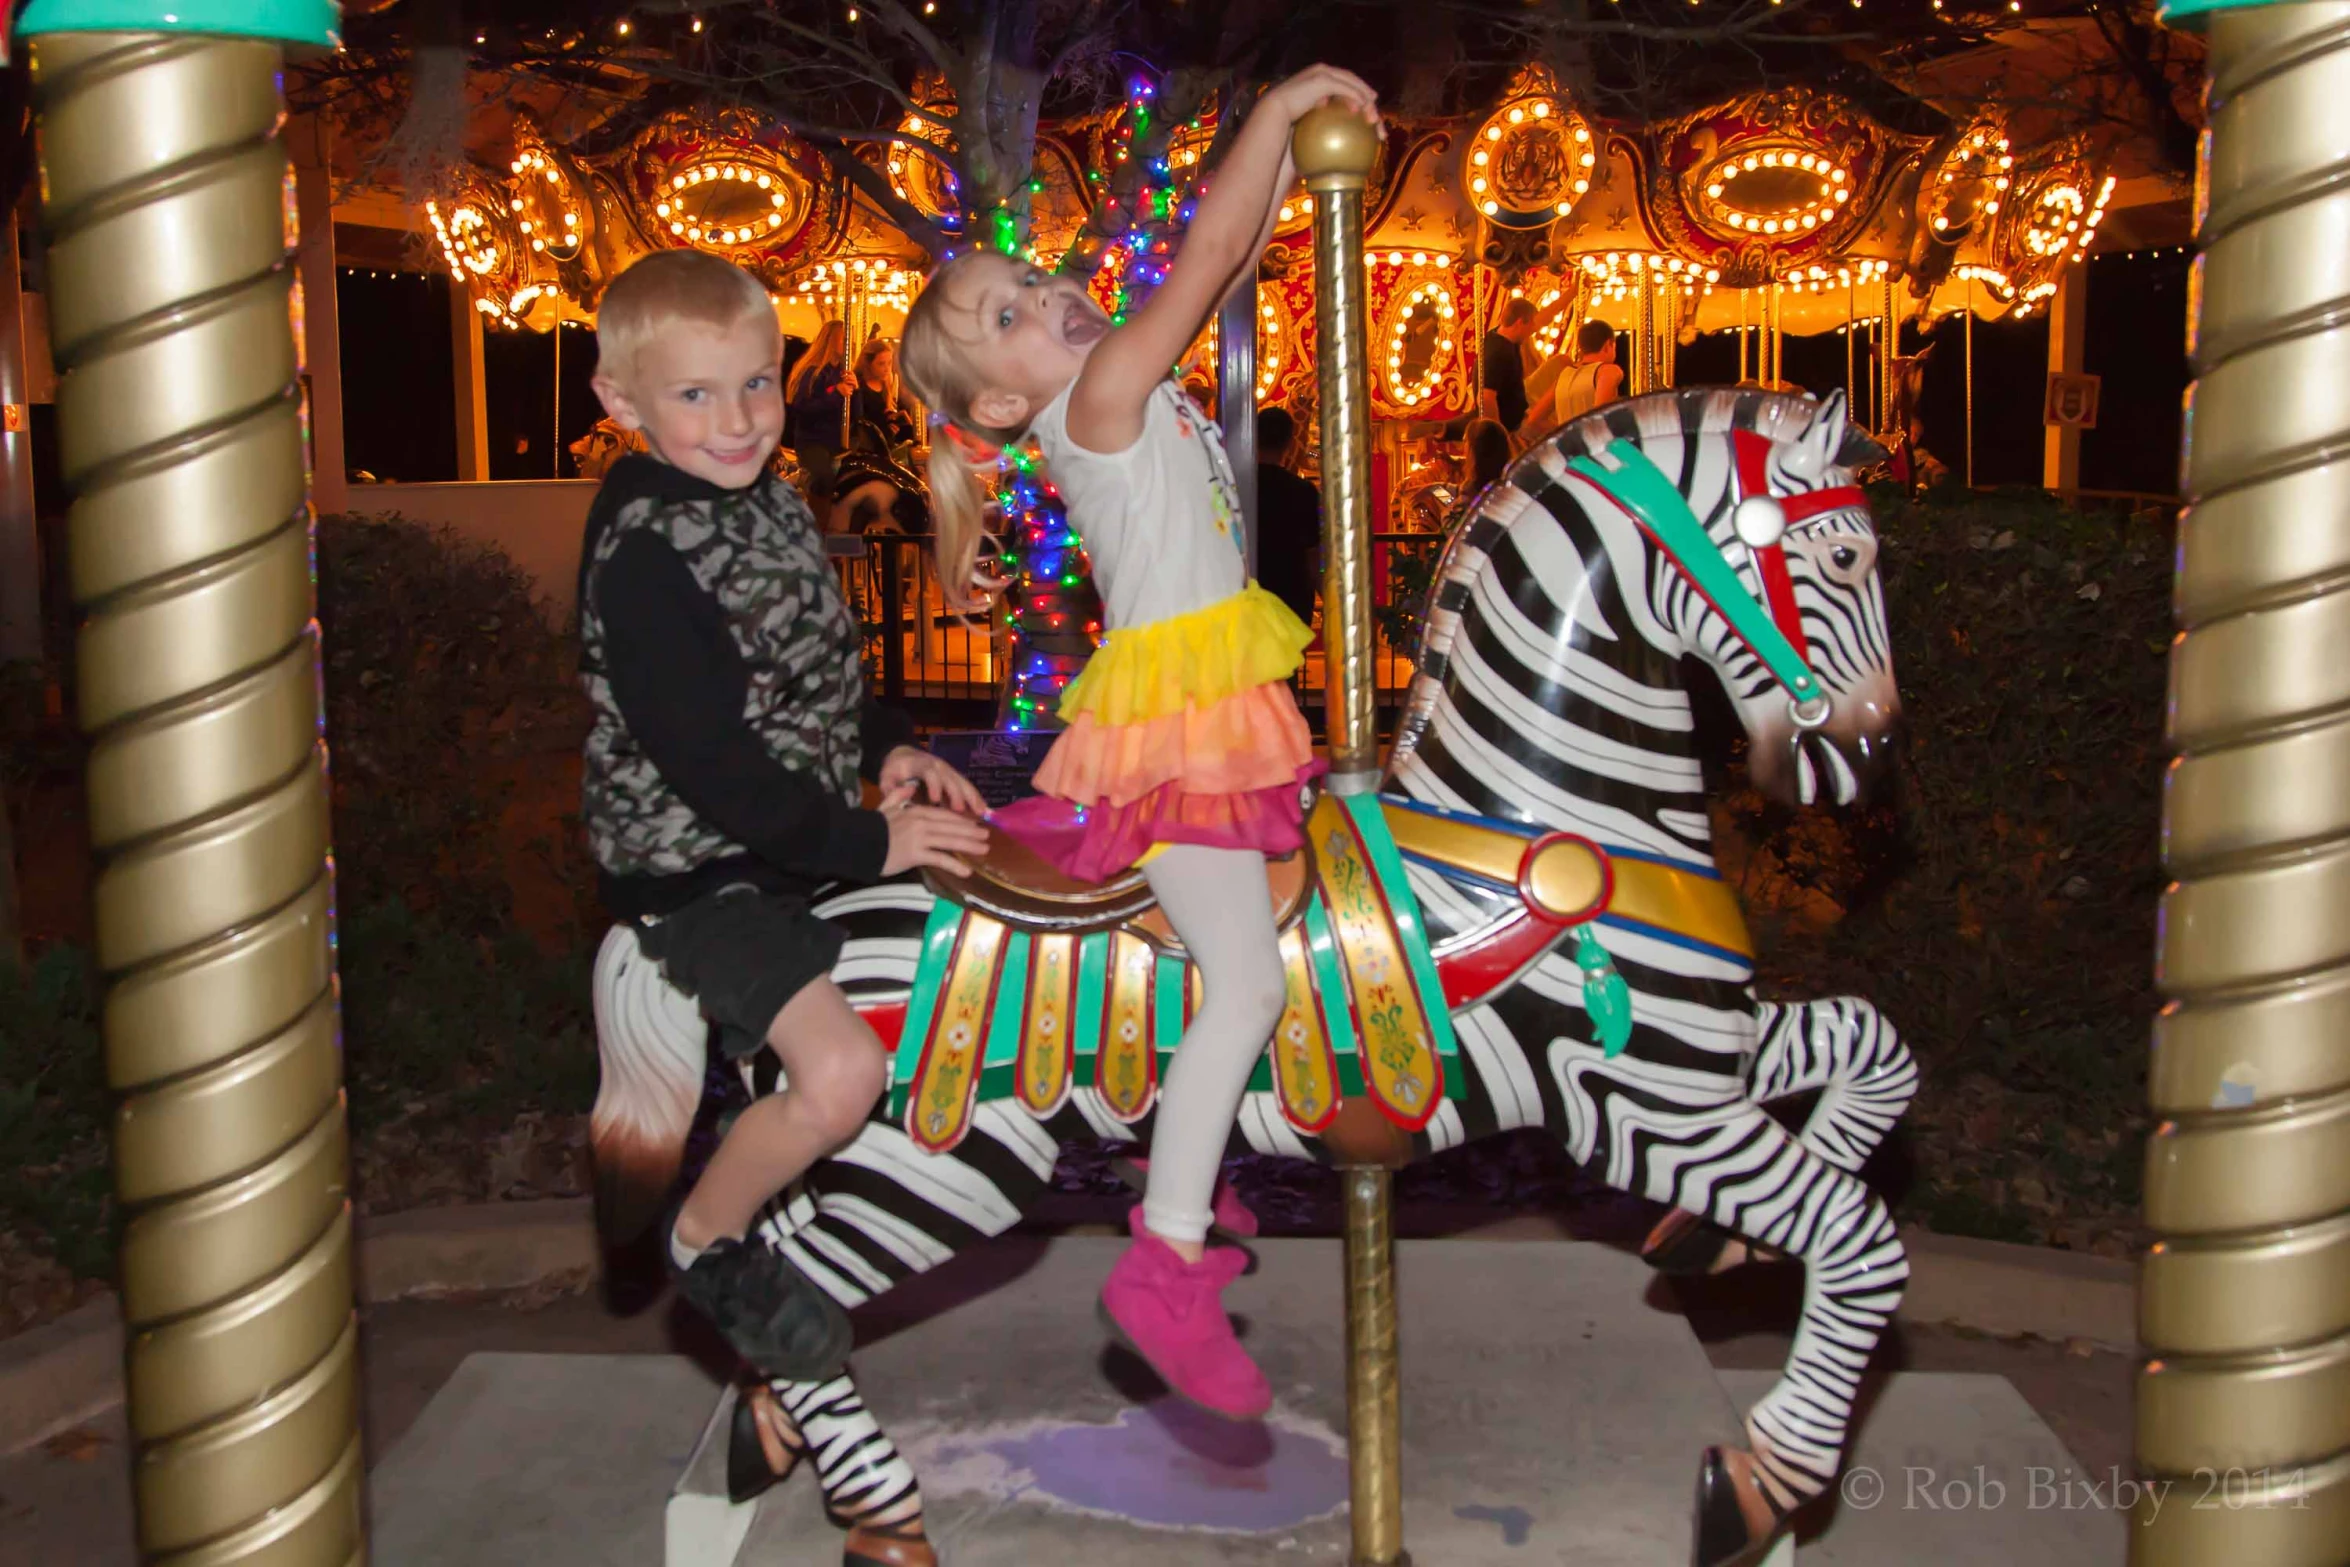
(1606, 997)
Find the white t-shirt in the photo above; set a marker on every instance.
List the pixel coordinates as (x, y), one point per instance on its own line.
(1161, 519)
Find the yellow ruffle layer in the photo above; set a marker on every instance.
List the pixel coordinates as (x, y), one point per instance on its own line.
(1189, 661)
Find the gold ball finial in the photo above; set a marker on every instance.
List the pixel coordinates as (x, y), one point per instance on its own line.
(1334, 147)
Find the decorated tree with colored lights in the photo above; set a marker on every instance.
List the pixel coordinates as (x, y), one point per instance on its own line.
(1055, 615)
(1053, 610)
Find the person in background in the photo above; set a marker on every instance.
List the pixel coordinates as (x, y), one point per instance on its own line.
(1590, 378)
(812, 402)
(1502, 360)
(1289, 517)
(877, 393)
(1489, 453)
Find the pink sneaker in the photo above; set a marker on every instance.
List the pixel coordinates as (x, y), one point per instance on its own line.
(1229, 1215)
(1171, 1313)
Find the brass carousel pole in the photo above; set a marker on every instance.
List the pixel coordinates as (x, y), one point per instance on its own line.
(1648, 334)
(1852, 398)
(1668, 341)
(1742, 335)
(1888, 349)
(165, 196)
(1334, 150)
(2243, 1306)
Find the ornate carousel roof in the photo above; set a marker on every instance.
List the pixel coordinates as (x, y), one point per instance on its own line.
(1793, 200)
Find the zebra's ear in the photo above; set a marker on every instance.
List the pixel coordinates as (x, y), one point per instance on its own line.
(1860, 449)
(1822, 440)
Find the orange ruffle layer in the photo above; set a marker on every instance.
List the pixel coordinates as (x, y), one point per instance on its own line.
(1253, 739)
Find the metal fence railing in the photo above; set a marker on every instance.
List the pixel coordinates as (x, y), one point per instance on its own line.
(921, 655)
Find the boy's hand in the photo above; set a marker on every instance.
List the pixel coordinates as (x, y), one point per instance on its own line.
(910, 765)
(1316, 85)
(925, 837)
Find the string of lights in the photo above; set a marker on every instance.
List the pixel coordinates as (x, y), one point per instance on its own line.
(1055, 616)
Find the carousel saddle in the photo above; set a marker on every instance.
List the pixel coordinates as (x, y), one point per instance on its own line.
(1030, 985)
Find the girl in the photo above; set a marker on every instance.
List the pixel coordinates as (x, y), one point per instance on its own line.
(877, 394)
(812, 399)
(1184, 751)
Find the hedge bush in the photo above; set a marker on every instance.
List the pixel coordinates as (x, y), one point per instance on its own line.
(2001, 912)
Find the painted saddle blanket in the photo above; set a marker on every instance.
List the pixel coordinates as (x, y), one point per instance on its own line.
(1008, 1006)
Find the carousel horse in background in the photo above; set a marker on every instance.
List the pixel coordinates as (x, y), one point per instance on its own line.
(1540, 874)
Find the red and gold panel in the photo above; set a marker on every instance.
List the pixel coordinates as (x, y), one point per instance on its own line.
(1422, 306)
(946, 1084)
(1126, 1071)
(1045, 1067)
(1397, 1045)
(1305, 1071)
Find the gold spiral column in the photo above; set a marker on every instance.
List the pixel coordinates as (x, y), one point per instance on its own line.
(2244, 1300)
(1334, 150)
(169, 203)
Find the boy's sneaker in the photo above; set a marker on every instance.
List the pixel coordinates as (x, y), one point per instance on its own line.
(770, 1311)
(1171, 1313)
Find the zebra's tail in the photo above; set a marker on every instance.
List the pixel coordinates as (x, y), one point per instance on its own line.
(652, 1047)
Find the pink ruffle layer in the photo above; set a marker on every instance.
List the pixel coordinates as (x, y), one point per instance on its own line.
(1094, 843)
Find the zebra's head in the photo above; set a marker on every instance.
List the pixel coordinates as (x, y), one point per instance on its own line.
(1796, 529)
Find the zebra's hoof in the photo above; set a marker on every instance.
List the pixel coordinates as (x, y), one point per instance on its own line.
(887, 1548)
(1736, 1524)
(759, 1455)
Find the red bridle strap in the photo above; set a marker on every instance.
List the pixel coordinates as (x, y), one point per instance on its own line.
(1753, 453)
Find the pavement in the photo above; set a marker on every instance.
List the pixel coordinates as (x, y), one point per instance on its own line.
(1553, 1393)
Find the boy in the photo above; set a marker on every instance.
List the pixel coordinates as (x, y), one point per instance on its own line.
(729, 733)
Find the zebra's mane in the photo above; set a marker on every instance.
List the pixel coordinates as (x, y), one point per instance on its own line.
(1680, 414)
(1671, 415)
(1713, 410)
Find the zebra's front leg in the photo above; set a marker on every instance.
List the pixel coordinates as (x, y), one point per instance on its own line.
(1843, 1048)
(869, 1488)
(1777, 1192)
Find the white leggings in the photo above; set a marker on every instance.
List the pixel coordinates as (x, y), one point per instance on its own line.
(1218, 903)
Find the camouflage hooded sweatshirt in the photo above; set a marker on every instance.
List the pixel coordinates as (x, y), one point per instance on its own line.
(730, 720)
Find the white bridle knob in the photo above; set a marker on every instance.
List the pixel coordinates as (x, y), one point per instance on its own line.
(1759, 522)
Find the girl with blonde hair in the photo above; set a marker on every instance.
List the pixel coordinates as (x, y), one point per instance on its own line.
(1185, 751)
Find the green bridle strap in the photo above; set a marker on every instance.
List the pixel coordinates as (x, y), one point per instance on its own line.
(1623, 473)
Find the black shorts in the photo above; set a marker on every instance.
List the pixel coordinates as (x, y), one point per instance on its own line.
(743, 953)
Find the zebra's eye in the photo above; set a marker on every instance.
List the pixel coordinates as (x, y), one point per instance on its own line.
(1847, 559)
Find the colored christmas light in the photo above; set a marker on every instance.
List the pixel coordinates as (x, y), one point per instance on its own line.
(1055, 614)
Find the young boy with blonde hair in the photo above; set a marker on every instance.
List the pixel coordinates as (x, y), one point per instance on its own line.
(730, 732)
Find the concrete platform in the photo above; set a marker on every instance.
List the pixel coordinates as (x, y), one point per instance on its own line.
(1549, 1411)
(540, 1458)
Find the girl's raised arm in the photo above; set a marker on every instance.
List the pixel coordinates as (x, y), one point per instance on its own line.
(1226, 234)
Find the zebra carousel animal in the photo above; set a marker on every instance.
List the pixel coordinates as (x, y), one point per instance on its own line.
(1539, 858)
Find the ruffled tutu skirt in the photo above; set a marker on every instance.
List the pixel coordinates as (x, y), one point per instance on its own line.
(1179, 732)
